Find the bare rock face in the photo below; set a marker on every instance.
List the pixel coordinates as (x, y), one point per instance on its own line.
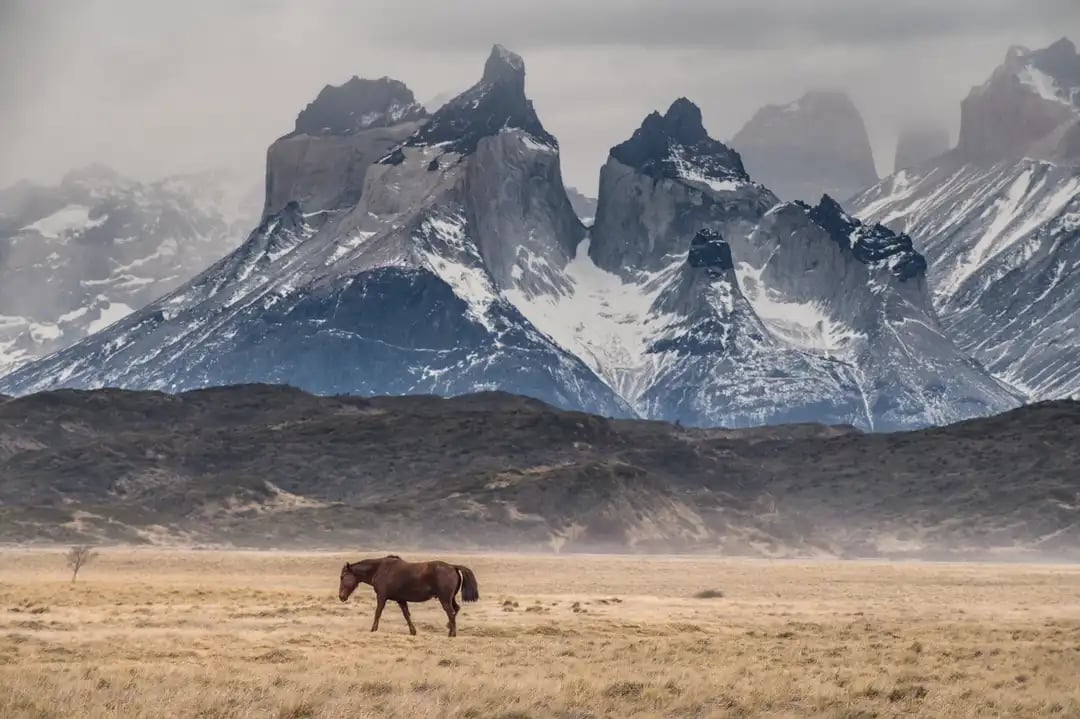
(497, 101)
(358, 105)
(919, 143)
(816, 145)
(322, 163)
(658, 188)
(1028, 107)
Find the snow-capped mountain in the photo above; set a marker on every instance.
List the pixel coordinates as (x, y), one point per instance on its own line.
(998, 220)
(461, 266)
(76, 257)
(699, 299)
(813, 146)
(399, 294)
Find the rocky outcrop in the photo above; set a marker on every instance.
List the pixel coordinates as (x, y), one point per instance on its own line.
(824, 282)
(1004, 261)
(815, 145)
(661, 186)
(496, 103)
(322, 163)
(358, 105)
(920, 143)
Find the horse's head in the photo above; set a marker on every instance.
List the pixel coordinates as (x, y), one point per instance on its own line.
(349, 582)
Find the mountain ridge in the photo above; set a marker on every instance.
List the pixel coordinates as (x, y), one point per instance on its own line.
(493, 470)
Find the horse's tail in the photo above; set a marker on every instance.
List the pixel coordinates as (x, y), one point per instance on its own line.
(470, 591)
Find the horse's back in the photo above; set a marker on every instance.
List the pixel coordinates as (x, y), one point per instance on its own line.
(412, 581)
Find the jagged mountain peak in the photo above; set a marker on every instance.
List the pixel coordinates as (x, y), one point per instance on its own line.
(997, 221)
(682, 122)
(496, 103)
(358, 104)
(812, 103)
(675, 145)
(1060, 53)
(504, 66)
(871, 244)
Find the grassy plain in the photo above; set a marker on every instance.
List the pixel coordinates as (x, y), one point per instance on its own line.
(154, 633)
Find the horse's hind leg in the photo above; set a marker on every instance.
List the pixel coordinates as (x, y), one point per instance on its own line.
(378, 612)
(408, 620)
(451, 614)
(457, 607)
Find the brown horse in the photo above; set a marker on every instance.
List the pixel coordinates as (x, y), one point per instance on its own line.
(393, 578)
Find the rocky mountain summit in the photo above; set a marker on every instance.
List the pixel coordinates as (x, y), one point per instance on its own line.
(323, 161)
(813, 146)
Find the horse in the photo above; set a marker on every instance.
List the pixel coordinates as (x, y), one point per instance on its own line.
(395, 579)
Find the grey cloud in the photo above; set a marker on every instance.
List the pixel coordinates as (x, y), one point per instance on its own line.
(154, 88)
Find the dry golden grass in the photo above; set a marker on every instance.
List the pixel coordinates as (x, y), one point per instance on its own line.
(238, 634)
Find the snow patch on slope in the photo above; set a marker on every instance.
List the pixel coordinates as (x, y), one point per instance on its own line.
(690, 172)
(111, 313)
(66, 220)
(1043, 85)
(1014, 219)
(802, 325)
(469, 280)
(602, 319)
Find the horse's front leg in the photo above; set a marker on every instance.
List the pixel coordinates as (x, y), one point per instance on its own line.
(378, 612)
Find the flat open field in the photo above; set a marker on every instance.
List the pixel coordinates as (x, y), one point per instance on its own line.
(248, 634)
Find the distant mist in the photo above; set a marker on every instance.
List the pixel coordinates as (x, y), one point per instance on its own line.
(155, 89)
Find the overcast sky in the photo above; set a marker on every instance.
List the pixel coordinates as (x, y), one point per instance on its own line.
(153, 88)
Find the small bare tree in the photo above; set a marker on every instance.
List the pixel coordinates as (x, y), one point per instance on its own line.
(78, 557)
